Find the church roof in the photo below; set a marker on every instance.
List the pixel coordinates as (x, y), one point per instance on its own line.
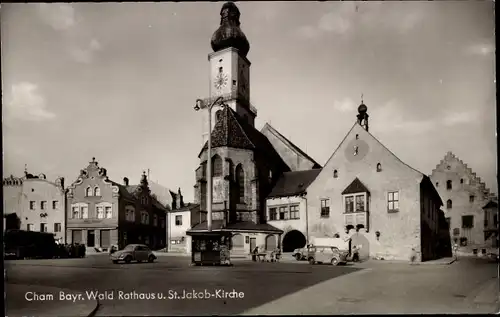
(232, 131)
(290, 144)
(355, 187)
(293, 183)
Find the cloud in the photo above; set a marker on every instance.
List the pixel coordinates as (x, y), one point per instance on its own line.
(26, 103)
(482, 49)
(347, 16)
(80, 45)
(58, 16)
(345, 105)
(459, 118)
(392, 117)
(85, 55)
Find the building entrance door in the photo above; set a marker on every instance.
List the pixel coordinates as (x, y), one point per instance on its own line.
(91, 238)
(253, 244)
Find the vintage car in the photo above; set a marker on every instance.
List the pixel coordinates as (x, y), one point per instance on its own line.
(133, 252)
(300, 254)
(326, 254)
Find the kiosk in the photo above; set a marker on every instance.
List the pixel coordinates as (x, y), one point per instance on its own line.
(210, 248)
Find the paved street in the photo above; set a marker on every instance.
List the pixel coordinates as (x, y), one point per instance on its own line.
(259, 282)
(268, 288)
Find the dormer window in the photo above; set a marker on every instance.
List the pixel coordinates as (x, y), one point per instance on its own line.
(379, 167)
(335, 174)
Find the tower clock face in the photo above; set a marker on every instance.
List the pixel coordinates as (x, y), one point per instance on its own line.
(220, 81)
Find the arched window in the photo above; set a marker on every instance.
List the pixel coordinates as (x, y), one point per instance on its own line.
(449, 204)
(218, 115)
(97, 191)
(448, 185)
(216, 166)
(437, 184)
(88, 192)
(359, 227)
(379, 167)
(335, 174)
(348, 228)
(240, 181)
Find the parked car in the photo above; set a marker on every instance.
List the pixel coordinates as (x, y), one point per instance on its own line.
(300, 254)
(133, 252)
(327, 254)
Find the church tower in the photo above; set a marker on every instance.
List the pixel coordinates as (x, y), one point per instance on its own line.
(229, 68)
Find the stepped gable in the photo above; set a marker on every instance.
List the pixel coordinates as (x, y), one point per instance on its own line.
(234, 132)
(475, 180)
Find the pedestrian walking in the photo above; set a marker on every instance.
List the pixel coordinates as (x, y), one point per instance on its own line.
(413, 256)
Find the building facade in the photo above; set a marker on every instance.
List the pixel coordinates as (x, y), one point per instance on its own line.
(34, 203)
(245, 165)
(491, 225)
(364, 191)
(179, 221)
(287, 208)
(102, 213)
(464, 196)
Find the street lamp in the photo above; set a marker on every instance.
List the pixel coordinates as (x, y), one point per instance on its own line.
(200, 104)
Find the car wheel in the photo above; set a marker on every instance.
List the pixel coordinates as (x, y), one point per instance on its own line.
(298, 257)
(335, 261)
(151, 259)
(128, 259)
(311, 261)
(115, 261)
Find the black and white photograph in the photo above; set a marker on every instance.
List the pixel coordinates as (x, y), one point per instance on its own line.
(249, 158)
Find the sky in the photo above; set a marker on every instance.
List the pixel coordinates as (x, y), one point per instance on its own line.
(118, 82)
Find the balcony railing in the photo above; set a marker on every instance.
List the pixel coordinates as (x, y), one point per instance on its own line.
(234, 94)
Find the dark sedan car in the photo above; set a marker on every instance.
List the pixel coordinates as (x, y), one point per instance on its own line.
(133, 252)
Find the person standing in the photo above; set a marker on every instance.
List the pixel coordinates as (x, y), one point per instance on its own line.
(413, 256)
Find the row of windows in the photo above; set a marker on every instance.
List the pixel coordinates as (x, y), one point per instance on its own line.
(449, 202)
(468, 222)
(379, 166)
(43, 205)
(217, 171)
(93, 192)
(449, 184)
(358, 203)
(43, 227)
(284, 212)
(82, 212)
(145, 219)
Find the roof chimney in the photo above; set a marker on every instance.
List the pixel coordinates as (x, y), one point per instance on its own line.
(125, 181)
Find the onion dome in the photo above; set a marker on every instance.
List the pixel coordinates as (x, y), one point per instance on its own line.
(229, 33)
(362, 108)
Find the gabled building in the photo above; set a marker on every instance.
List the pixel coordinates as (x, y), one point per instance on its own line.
(102, 213)
(364, 191)
(34, 203)
(464, 195)
(287, 208)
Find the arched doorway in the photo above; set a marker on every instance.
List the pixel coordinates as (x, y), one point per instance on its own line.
(294, 239)
(270, 242)
(359, 239)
